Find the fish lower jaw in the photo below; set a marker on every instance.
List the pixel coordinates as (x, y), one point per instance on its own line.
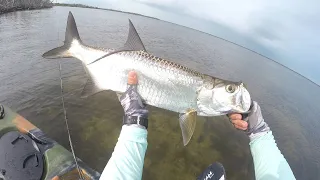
(211, 114)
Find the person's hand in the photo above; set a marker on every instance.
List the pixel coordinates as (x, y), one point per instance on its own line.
(254, 124)
(134, 109)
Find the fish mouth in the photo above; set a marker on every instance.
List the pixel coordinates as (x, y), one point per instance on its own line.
(243, 100)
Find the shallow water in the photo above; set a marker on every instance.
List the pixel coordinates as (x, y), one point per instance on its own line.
(31, 85)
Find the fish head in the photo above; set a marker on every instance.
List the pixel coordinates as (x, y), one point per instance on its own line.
(222, 98)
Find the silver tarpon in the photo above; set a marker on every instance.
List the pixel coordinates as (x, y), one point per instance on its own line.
(162, 83)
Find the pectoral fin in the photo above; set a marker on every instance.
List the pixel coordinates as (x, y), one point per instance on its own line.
(188, 124)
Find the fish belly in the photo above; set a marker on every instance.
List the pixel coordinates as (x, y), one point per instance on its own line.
(159, 85)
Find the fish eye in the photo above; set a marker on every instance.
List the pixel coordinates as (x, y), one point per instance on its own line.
(230, 88)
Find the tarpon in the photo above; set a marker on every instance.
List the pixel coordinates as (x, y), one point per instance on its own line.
(162, 83)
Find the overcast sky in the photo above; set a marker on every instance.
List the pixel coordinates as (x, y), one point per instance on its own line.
(284, 30)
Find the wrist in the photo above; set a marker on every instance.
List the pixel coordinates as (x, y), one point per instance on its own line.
(136, 126)
(137, 121)
(261, 130)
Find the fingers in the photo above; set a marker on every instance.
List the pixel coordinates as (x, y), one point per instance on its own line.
(132, 78)
(235, 116)
(240, 124)
(237, 121)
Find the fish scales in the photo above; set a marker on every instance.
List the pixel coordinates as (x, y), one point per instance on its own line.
(162, 84)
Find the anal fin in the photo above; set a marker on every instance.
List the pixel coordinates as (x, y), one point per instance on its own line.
(91, 87)
(187, 124)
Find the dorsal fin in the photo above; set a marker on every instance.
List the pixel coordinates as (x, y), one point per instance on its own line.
(133, 43)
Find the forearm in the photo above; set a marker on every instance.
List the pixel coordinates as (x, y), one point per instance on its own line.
(127, 158)
(269, 163)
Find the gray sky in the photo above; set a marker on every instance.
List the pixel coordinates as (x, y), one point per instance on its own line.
(284, 30)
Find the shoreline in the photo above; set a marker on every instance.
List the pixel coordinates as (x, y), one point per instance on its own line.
(16, 9)
(105, 9)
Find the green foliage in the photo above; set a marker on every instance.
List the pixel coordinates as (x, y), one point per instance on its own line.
(91, 7)
(16, 5)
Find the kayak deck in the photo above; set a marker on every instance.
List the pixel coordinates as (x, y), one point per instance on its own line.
(58, 162)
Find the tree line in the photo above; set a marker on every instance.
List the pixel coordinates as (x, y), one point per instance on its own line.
(15, 5)
(92, 7)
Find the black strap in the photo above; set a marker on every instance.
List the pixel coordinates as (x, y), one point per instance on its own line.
(1, 112)
(136, 120)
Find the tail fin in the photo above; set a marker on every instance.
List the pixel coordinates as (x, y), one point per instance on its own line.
(71, 35)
